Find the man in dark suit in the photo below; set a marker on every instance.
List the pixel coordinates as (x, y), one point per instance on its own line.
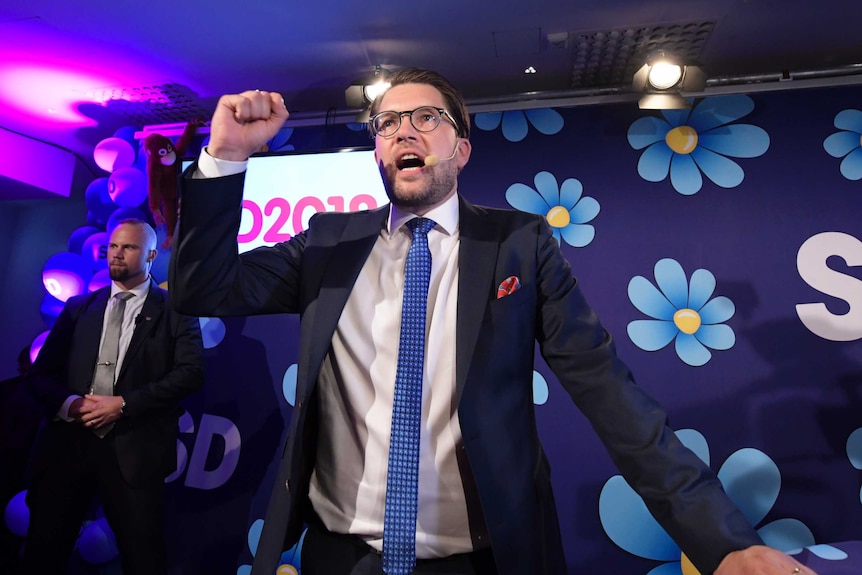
(118, 443)
(497, 284)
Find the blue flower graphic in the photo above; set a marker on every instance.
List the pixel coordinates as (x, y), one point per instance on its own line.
(683, 312)
(751, 480)
(545, 120)
(854, 451)
(847, 144)
(565, 207)
(278, 143)
(290, 561)
(688, 142)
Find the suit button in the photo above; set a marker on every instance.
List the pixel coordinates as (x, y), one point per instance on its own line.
(287, 485)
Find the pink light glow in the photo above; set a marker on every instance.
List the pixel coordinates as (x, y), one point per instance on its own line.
(47, 74)
(34, 91)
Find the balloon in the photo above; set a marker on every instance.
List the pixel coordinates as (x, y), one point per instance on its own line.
(212, 331)
(127, 133)
(36, 345)
(97, 543)
(66, 274)
(17, 515)
(95, 251)
(50, 309)
(77, 237)
(124, 214)
(113, 153)
(99, 202)
(128, 187)
(101, 278)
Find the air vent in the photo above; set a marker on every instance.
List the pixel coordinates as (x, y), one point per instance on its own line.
(165, 104)
(611, 57)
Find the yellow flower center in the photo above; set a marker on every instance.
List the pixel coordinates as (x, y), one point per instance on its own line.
(687, 320)
(558, 217)
(682, 139)
(688, 567)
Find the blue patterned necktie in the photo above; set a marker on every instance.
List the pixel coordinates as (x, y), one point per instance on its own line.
(402, 479)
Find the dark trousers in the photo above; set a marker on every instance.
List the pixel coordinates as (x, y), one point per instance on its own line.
(62, 491)
(327, 553)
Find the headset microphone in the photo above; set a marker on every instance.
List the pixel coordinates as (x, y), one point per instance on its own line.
(432, 160)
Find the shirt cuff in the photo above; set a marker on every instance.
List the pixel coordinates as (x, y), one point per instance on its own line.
(210, 167)
(63, 412)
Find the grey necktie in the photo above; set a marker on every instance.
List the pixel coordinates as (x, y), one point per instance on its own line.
(103, 379)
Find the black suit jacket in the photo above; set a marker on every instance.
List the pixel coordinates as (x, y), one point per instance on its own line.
(313, 274)
(163, 364)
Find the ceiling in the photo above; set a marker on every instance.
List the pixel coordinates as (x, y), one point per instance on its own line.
(72, 74)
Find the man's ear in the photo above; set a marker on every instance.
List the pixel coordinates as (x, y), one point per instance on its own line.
(464, 149)
(152, 255)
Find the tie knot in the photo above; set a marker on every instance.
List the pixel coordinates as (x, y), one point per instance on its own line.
(420, 225)
(123, 296)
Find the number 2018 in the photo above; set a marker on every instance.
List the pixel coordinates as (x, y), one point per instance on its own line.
(280, 208)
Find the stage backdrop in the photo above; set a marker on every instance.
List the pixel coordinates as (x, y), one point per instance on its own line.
(720, 247)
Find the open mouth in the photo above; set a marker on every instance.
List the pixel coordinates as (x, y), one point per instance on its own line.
(409, 162)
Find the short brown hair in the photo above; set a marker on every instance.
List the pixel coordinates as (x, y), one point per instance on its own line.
(454, 101)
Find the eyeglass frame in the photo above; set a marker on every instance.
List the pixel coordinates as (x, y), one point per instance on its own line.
(443, 114)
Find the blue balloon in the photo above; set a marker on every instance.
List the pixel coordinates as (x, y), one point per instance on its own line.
(212, 331)
(17, 514)
(128, 187)
(77, 237)
(123, 214)
(49, 309)
(127, 133)
(95, 251)
(99, 202)
(97, 543)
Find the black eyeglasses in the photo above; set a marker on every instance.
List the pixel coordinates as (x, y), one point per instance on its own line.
(424, 119)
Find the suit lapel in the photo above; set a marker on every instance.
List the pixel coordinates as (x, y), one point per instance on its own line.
(477, 261)
(154, 307)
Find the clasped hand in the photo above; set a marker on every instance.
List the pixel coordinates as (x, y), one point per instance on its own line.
(96, 410)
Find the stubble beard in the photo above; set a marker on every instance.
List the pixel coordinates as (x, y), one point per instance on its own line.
(443, 179)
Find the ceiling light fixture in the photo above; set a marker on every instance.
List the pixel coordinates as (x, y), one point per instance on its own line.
(663, 79)
(362, 91)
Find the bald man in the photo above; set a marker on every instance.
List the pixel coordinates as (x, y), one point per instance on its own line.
(111, 434)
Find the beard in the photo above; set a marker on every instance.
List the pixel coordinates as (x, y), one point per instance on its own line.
(407, 196)
(119, 274)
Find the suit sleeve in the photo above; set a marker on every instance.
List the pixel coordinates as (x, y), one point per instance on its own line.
(680, 491)
(46, 378)
(208, 277)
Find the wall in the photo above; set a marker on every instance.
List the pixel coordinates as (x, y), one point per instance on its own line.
(767, 391)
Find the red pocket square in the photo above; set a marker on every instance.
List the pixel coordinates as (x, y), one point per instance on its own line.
(509, 286)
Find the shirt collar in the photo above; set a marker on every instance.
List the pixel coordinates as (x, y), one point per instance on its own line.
(141, 290)
(445, 216)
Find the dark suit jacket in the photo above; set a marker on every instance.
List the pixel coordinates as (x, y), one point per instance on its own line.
(163, 364)
(313, 274)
